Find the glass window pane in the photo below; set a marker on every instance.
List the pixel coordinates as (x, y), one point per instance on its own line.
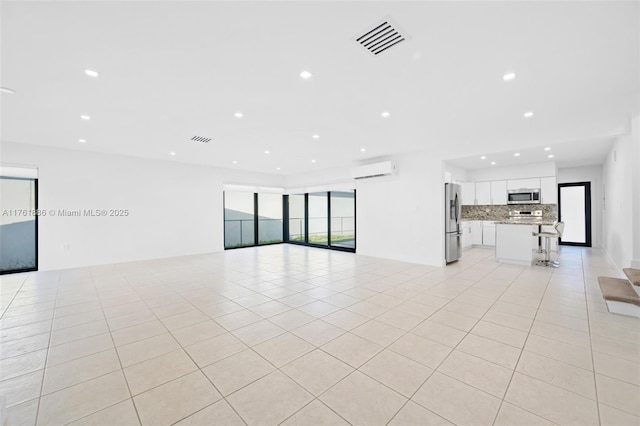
(318, 220)
(269, 218)
(239, 221)
(17, 224)
(296, 217)
(343, 219)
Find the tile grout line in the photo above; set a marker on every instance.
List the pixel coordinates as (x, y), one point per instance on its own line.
(515, 367)
(184, 289)
(115, 348)
(450, 352)
(593, 361)
(44, 372)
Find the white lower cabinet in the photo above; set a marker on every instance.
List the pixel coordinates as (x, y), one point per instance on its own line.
(488, 233)
(516, 244)
(467, 240)
(476, 233)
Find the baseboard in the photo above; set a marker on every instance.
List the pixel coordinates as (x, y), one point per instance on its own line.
(610, 260)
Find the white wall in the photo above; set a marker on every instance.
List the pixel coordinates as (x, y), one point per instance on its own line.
(620, 223)
(401, 217)
(592, 174)
(174, 209)
(454, 174)
(397, 217)
(323, 180)
(635, 166)
(532, 170)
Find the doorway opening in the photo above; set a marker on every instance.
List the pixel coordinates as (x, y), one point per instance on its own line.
(574, 209)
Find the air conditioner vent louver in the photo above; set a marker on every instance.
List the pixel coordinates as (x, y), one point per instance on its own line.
(201, 139)
(381, 37)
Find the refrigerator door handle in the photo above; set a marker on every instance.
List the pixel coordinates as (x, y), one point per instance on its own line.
(456, 207)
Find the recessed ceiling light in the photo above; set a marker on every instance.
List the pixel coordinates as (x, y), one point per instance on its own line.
(550, 155)
(548, 148)
(517, 154)
(238, 115)
(306, 75)
(277, 168)
(267, 152)
(7, 90)
(92, 73)
(528, 114)
(172, 153)
(316, 136)
(509, 76)
(493, 163)
(82, 140)
(484, 157)
(85, 117)
(234, 162)
(313, 161)
(363, 149)
(385, 114)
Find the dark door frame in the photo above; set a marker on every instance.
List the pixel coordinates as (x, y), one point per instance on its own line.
(587, 211)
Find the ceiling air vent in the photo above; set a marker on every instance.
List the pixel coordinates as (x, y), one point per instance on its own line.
(381, 37)
(201, 139)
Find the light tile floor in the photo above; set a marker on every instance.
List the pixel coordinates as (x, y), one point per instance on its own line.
(301, 336)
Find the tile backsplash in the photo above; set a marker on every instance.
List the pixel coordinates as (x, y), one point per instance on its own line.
(501, 212)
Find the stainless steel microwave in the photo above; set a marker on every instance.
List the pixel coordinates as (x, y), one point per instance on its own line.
(523, 196)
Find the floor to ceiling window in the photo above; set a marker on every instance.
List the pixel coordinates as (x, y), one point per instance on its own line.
(18, 225)
(321, 219)
(239, 219)
(318, 213)
(343, 219)
(252, 219)
(269, 218)
(326, 219)
(297, 220)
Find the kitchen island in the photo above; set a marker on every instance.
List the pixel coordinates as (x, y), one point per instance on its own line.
(515, 243)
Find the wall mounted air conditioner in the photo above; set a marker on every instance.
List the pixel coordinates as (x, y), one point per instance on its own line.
(386, 168)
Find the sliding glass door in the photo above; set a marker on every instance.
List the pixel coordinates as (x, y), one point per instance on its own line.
(318, 213)
(343, 219)
(251, 219)
(18, 225)
(239, 219)
(269, 218)
(297, 218)
(326, 219)
(320, 219)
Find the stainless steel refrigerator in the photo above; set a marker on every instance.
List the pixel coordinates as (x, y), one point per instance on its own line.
(453, 213)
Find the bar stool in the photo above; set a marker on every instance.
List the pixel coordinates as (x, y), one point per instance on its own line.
(547, 245)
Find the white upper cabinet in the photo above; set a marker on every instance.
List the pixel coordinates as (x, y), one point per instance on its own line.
(499, 192)
(468, 193)
(483, 193)
(523, 183)
(548, 190)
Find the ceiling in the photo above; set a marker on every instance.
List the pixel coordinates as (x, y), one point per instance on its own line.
(568, 154)
(169, 71)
